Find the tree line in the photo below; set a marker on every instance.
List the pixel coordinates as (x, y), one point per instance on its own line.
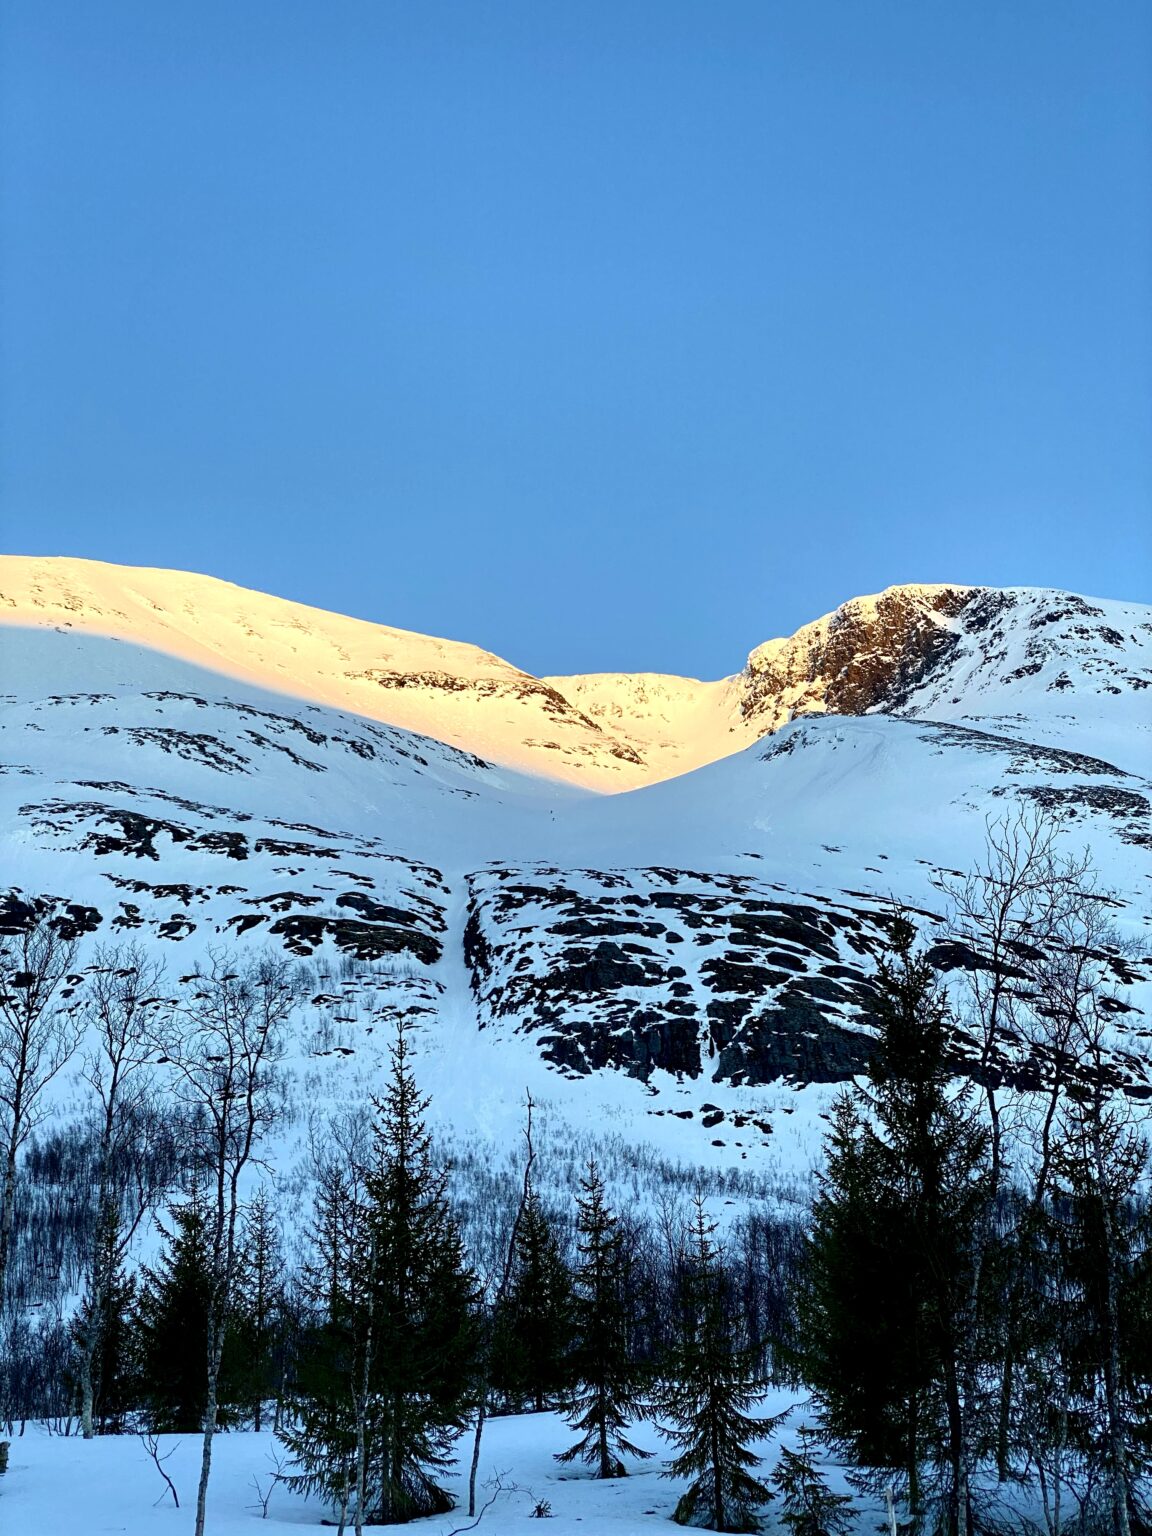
(968, 1306)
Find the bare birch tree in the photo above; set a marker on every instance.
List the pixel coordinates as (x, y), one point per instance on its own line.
(1100, 1160)
(39, 1033)
(222, 1043)
(1044, 987)
(123, 1004)
(496, 1301)
(1012, 911)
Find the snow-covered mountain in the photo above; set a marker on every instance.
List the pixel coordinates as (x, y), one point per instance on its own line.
(687, 964)
(1069, 670)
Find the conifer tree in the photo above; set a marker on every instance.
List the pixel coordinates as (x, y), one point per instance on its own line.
(710, 1382)
(258, 1323)
(385, 1382)
(889, 1277)
(421, 1334)
(320, 1432)
(534, 1330)
(861, 1342)
(809, 1507)
(608, 1393)
(170, 1327)
(103, 1326)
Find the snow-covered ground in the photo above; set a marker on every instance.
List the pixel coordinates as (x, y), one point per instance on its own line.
(70, 1487)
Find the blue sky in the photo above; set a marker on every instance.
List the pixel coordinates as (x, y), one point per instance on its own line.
(605, 335)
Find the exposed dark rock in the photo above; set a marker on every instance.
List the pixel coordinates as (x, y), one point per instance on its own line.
(867, 656)
(302, 932)
(794, 1040)
(954, 955)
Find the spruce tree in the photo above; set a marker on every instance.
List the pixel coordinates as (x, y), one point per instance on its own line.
(534, 1329)
(102, 1334)
(320, 1429)
(386, 1375)
(422, 1298)
(258, 1308)
(809, 1507)
(889, 1265)
(608, 1393)
(860, 1338)
(170, 1327)
(710, 1382)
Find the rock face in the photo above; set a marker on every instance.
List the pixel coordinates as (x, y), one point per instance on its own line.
(871, 654)
(676, 971)
(174, 768)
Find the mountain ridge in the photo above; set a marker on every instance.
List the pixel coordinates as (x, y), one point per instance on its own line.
(687, 965)
(895, 651)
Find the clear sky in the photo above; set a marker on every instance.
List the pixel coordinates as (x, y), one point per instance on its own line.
(607, 334)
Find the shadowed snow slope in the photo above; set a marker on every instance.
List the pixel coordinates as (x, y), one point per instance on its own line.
(687, 964)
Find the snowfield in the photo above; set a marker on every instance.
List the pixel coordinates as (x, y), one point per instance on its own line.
(112, 1479)
(683, 966)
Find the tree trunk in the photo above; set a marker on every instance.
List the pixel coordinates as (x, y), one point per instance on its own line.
(7, 1217)
(717, 1493)
(87, 1392)
(215, 1355)
(361, 1391)
(394, 1460)
(87, 1388)
(965, 1388)
(1004, 1409)
(361, 1481)
(96, 1308)
(8, 1205)
(1117, 1451)
(914, 1493)
(501, 1292)
(1014, 1302)
(481, 1415)
(954, 1409)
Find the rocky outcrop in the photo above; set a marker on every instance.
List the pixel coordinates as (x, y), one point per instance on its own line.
(870, 654)
(700, 975)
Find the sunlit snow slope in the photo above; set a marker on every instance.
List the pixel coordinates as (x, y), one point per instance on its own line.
(1072, 670)
(688, 964)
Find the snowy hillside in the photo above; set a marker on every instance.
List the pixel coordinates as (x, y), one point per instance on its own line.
(1022, 661)
(688, 963)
